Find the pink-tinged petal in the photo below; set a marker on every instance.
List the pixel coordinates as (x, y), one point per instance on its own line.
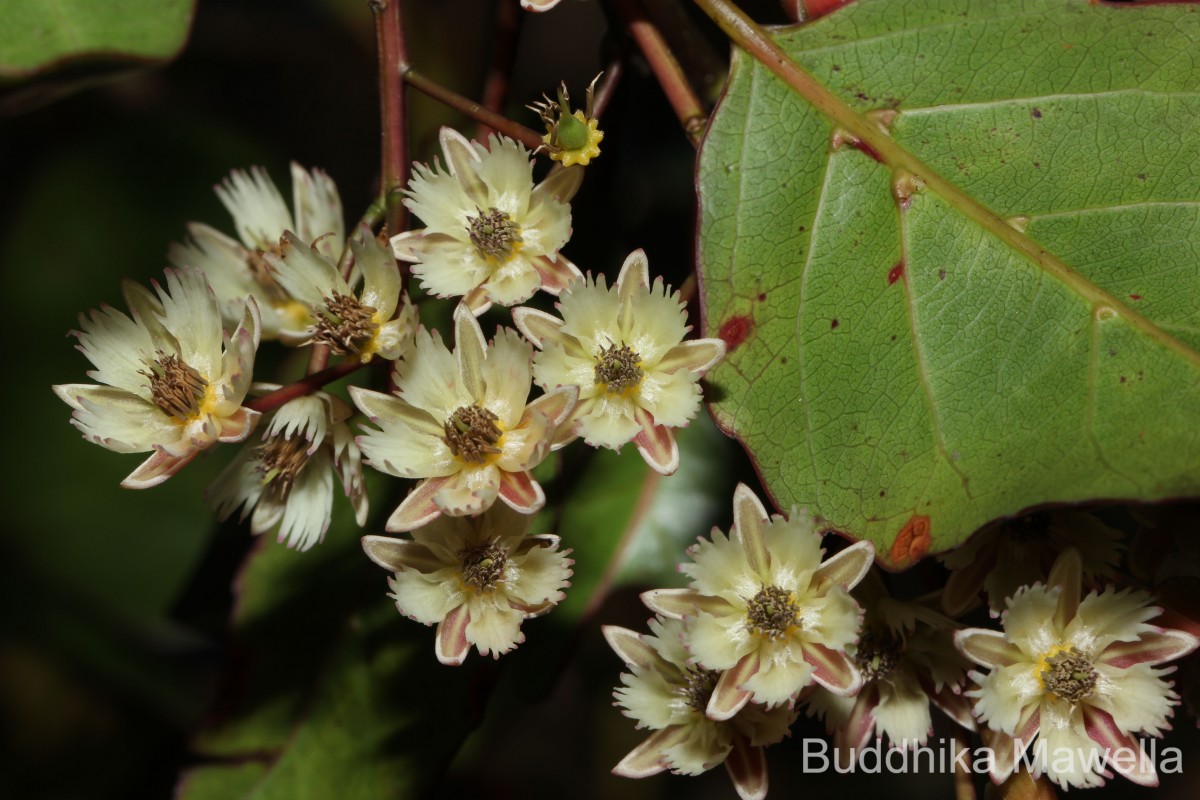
(634, 276)
(632, 648)
(478, 300)
(397, 554)
(556, 405)
(472, 491)
(237, 363)
(1004, 757)
(849, 566)
(833, 669)
(451, 644)
(747, 766)
(418, 508)
(955, 705)
(728, 697)
(563, 182)
(657, 444)
(647, 758)
(678, 603)
(860, 726)
(238, 425)
(1152, 648)
(698, 356)
(556, 273)
(538, 326)
(1104, 731)
(963, 585)
(156, 469)
(749, 517)
(462, 158)
(1067, 572)
(987, 648)
(470, 350)
(521, 492)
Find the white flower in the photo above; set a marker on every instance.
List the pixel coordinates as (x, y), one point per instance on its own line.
(1004, 556)
(907, 659)
(477, 578)
(348, 323)
(287, 481)
(1078, 675)
(490, 235)
(172, 384)
(237, 269)
(539, 5)
(461, 422)
(623, 347)
(768, 611)
(667, 694)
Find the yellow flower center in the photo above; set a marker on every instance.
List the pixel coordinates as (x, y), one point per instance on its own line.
(495, 236)
(618, 368)
(772, 612)
(347, 326)
(176, 388)
(1066, 673)
(473, 434)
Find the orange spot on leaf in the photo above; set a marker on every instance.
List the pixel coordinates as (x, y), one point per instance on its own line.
(912, 542)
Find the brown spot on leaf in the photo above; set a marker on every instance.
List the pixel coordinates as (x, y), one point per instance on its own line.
(912, 542)
(1135, 297)
(735, 330)
(833, 323)
(895, 273)
(1036, 113)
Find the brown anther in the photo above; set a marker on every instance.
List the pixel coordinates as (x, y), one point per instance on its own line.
(280, 461)
(483, 565)
(176, 388)
(699, 688)
(472, 434)
(1069, 675)
(618, 368)
(494, 234)
(878, 653)
(772, 612)
(345, 324)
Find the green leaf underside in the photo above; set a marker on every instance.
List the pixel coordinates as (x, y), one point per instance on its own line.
(970, 383)
(38, 34)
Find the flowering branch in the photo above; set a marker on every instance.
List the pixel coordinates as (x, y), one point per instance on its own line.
(680, 94)
(306, 385)
(392, 56)
(530, 138)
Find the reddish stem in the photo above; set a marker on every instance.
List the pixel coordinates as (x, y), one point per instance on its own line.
(530, 138)
(389, 35)
(306, 385)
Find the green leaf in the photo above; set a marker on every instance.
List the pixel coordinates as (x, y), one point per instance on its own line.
(66, 44)
(910, 369)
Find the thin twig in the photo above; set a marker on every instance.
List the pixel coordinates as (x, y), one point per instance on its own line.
(306, 385)
(674, 82)
(389, 34)
(530, 138)
(504, 50)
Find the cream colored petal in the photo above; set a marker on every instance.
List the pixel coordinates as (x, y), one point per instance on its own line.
(238, 486)
(673, 399)
(469, 492)
(513, 282)
(192, 315)
(589, 313)
(780, 677)
(697, 356)
(438, 200)
(428, 378)
(795, 549)
(381, 277)
(831, 619)
(305, 274)
(657, 323)
(555, 366)
(258, 211)
(545, 225)
(537, 326)
(634, 276)
(648, 698)
(399, 449)
(720, 642)
(1069, 751)
(495, 627)
(903, 710)
(318, 210)
(706, 745)
(397, 555)
(1004, 694)
(607, 420)
(1029, 620)
(470, 351)
(544, 573)
(463, 157)
(507, 173)
(525, 447)
(445, 267)
(719, 567)
(1138, 699)
(237, 362)
(116, 419)
(309, 504)
(119, 348)
(1111, 617)
(426, 598)
(507, 376)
